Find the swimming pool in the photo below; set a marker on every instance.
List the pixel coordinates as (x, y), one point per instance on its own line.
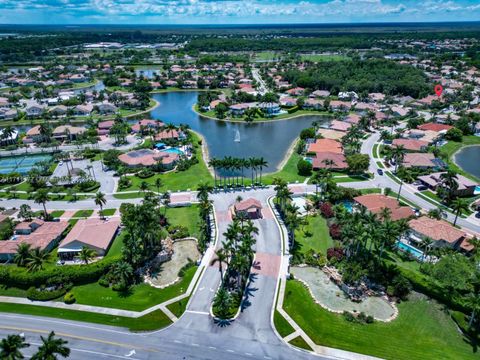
(21, 164)
(348, 205)
(173, 151)
(410, 249)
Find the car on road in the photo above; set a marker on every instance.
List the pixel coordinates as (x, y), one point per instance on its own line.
(60, 163)
(380, 171)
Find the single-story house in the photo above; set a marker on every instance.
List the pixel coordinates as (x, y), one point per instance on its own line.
(70, 132)
(411, 144)
(83, 110)
(435, 127)
(376, 202)
(168, 134)
(314, 104)
(331, 134)
(37, 233)
(340, 125)
(106, 108)
(441, 232)
(250, 207)
(325, 145)
(103, 127)
(95, 234)
(269, 108)
(322, 161)
(147, 123)
(147, 157)
(466, 187)
(420, 160)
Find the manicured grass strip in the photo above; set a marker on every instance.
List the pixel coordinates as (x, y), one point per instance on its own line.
(187, 216)
(421, 331)
(300, 343)
(138, 298)
(371, 191)
(153, 321)
(57, 213)
(109, 212)
(374, 150)
(282, 325)
(123, 196)
(179, 307)
(83, 214)
(379, 164)
(117, 246)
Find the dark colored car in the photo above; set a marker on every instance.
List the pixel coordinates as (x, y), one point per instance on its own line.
(422, 188)
(380, 171)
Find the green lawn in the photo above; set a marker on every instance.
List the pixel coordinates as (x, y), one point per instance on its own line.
(282, 325)
(314, 236)
(125, 196)
(179, 307)
(153, 321)
(450, 148)
(83, 214)
(57, 213)
(187, 216)
(421, 331)
(288, 173)
(322, 57)
(267, 55)
(140, 297)
(300, 343)
(109, 212)
(117, 245)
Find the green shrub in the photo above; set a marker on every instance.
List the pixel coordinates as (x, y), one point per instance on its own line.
(76, 274)
(292, 110)
(69, 298)
(104, 282)
(145, 173)
(44, 294)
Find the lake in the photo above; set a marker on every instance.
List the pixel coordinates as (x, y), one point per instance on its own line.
(270, 140)
(468, 159)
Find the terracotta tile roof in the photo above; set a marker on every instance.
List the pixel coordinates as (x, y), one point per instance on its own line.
(410, 144)
(419, 159)
(167, 134)
(435, 127)
(247, 204)
(376, 202)
(340, 125)
(339, 160)
(96, 233)
(326, 145)
(436, 229)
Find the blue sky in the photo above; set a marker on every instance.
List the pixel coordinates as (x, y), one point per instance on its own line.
(233, 11)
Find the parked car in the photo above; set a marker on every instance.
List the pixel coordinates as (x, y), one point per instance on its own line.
(422, 188)
(380, 171)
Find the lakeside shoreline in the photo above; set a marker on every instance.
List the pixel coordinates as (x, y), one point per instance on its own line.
(453, 158)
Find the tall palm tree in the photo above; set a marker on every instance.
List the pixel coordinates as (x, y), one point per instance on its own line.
(51, 348)
(221, 259)
(100, 201)
(204, 191)
(158, 184)
(261, 163)
(459, 205)
(123, 272)
(426, 244)
(398, 154)
(449, 182)
(22, 255)
(473, 301)
(213, 163)
(36, 260)
(10, 347)
(144, 186)
(86, 254)
(41, 197)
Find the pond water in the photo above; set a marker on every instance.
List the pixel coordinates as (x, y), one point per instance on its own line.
(468, 159)
(269, 140)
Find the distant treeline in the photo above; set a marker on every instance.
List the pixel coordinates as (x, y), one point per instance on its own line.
(362, 77)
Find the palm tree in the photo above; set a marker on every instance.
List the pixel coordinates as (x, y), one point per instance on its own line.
(86, 254)
(158, 184)
(459, 205)
(36, 260)
(144, 186)
(473, 301)
(100, 201)
(41, 197)
(10, 347)
(204, 191)
(213, 163)
(222, 258)
(398, 154)
(22, 255)
(123, 272)
(449, 182)
(426, 244)
(51, 347)
(261, 163)
(222, 302)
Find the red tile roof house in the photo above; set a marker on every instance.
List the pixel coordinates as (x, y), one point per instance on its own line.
(340, 125)
(322, 161)
(419, 160)
(168, 134)
(435, 127)
(103, 127)
(147, 157)
(325, 145)
(147, 123)
(411, 144)
(466, 187)
(96, 234)
(250, 207)
(376, 202)
(353, 118)
(239, 109)
(337, 105)
(298, 91)
(441, 232)
(37, 233)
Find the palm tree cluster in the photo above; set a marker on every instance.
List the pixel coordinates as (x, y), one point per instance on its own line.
(50, 349)
(237, 254)
(351, 140)
(32, 259)
(233, 170)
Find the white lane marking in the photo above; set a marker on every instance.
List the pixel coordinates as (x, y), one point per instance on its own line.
(202, 288)
(267, 357)
(131, 353)
(248, 354)
(230, 351)
(193, 344)
(177, 341)
(94, 352)
(212, 347)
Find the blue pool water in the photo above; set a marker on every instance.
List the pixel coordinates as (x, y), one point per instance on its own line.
(477, 190)
(20, 164)
(174, 151)
(410, 249)
(348, 205)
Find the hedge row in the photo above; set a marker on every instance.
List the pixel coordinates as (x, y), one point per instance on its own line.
(422, 284)
(45, 295)
(75, 274)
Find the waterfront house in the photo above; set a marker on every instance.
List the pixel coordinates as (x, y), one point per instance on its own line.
(83, 110)
(466, 187)
(69, 132)
(106, 108)
(420, 160)
(147, 157)
(34, 110)
(269, 108)
(411, 144)
(329, 160)
(325, 145)
(103, 127)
